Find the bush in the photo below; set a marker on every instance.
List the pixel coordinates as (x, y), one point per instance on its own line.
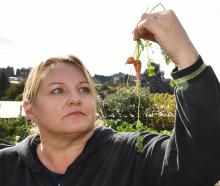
(157, 111)
(161, 111)
(135, 127)
(122, 105)
(14, 91)
(14, 130)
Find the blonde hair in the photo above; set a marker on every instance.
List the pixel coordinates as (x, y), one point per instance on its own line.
(36, 74)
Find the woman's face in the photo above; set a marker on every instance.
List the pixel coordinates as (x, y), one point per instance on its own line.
(64, 103)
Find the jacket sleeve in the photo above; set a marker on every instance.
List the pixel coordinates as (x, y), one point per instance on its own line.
(4, 144)
(192, 155)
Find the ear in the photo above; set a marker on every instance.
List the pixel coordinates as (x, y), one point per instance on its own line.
(28, 110)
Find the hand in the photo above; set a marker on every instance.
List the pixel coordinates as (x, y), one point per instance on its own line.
(165, 29)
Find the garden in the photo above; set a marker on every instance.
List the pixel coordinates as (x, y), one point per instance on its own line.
(120, 110)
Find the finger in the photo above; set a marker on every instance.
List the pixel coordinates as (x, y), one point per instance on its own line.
(148, 23)
(145, 29)
(136, 36)
(136, 32)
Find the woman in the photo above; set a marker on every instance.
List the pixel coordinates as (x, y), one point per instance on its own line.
(71, 149)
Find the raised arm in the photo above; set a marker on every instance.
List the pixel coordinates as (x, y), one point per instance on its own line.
(192, 155)
(165, 29)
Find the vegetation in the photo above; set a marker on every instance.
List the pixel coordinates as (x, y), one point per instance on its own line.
(128, 127)
(157, 111)
(157, 83)
(120, 108)
(15, 129)
(4, 84)
(14, 92)
(10, 72)
(122, 105)
(125, 107)
(161, 111)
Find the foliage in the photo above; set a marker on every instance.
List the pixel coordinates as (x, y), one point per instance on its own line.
(4, 84)
(157, 111)
(9, 71)
(129, 127)
(14, 91)
(23, 72)
(123, 104)
(156, 83)
(102, 79)
(104, 90)
(161, 112)
(19, 97)
(14, 130)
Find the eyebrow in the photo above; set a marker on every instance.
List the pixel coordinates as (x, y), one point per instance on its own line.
(54, 83)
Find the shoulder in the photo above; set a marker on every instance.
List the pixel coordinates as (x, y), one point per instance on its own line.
(10, 150)
(7, 155)
(4, 144)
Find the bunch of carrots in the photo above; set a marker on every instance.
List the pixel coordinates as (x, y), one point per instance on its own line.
(140, 46)
(136, 60)
(137, 66)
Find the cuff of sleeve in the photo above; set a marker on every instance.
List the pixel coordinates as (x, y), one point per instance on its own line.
(182, 76)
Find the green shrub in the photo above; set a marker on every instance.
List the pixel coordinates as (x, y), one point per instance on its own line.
(122, 105)
(157, 110)
(161, 111)
(14, 130)
(135, 127)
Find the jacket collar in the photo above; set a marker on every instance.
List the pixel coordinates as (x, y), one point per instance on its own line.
(100, 136)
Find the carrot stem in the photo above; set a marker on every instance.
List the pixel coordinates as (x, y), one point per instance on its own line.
(138, 87)
(129, 76)
(159, 4)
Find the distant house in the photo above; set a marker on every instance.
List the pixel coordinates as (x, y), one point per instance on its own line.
(16, 80)
(11, 109)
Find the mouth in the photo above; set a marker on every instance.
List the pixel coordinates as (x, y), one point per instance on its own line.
(76, 113)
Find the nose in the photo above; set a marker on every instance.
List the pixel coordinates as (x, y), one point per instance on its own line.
(74, 98)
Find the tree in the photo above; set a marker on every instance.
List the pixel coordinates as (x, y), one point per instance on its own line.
(9, 71)
(23, 72)
(157, 83)
(15, 90)
(4, 84)
(123, 104)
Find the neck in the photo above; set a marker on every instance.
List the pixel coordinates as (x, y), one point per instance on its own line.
(59, 152)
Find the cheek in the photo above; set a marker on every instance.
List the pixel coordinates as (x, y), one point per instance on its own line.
(43, 112)
(93, 109)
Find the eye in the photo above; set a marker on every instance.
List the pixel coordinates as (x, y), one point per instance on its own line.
(84, 89)
(57, 91)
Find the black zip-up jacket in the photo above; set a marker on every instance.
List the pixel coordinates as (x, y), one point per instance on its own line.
(189, 157)
(4, 144)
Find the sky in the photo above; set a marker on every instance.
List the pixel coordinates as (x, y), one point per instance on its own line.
(99, 32)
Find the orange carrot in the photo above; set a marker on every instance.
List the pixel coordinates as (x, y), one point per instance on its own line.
(130, 60)
(137, 66)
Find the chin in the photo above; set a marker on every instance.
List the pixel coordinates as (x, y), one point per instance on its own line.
(79, 127)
